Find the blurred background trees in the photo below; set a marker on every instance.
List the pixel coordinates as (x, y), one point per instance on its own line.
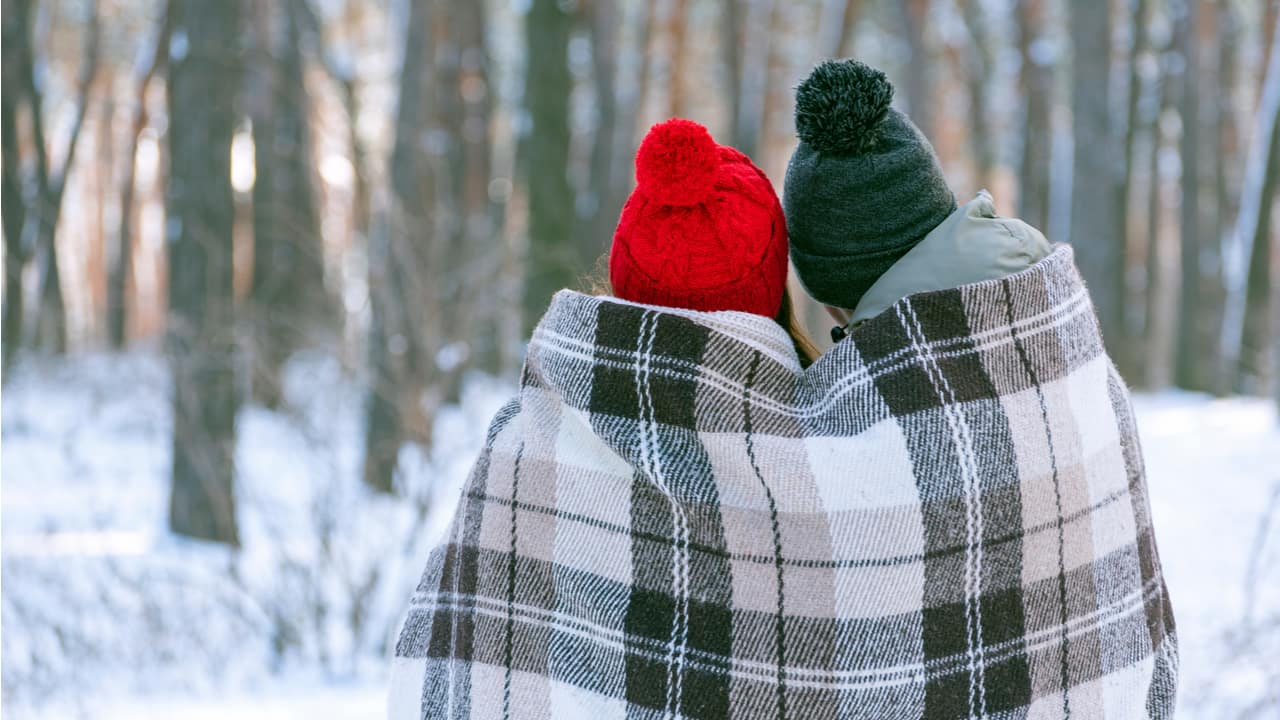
(403, 184)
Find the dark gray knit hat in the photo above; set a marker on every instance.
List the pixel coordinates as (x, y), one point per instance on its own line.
(863, 186)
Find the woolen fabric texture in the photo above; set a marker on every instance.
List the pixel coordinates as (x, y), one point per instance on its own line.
(703, 230)
(862, 187)
(945, 516)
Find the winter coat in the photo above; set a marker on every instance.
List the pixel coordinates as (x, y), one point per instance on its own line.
(945, 516)
(973, 244)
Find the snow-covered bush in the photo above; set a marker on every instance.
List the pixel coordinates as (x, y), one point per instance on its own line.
(100, 599)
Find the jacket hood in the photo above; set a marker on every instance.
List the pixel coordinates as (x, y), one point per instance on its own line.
(973, 244)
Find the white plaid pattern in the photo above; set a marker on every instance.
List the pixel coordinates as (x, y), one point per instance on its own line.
(944, 517)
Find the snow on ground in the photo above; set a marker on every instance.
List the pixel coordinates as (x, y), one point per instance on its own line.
(1213, 467)
(107, 615)
(102, 605)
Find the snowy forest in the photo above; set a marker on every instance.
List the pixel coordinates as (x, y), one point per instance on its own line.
(270, 266)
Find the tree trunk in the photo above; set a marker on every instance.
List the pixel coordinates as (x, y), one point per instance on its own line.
(1099, 252)
(602, 215)
(1156, 313)
(632, 89)
(1227, 177)
(204, 82)
(403, 316)
(120, 267)
(1133, 306)
(51, 313)
(1270, 15)
(1035, 76)
(918, 77)
(1257, 338)
(51, 309)
(383, 426)
(1226, 188)
(289, 305)
(14, 47)
(838, 19)
(1258, 334)
(463, 208)
(103, 184)
(1196, 346)
(980, 60)
(436, 252)
(677, 72)
(554, 259)
(361, 203)
(749, 70)
(480, 241)
(339, 66)
(43, 204)
(731, 49)
(774, 91)
(1138, 42)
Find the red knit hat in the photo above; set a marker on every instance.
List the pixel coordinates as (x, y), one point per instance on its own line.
(703, 229)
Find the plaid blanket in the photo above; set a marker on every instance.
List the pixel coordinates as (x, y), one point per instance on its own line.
(944, 517)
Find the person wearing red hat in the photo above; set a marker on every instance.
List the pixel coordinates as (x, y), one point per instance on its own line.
(703, 230)
(569, 586)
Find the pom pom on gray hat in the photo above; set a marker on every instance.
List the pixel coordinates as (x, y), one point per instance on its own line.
(841, 105)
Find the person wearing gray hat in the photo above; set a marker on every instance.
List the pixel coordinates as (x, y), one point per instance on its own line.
(863, 187)
(870, 216)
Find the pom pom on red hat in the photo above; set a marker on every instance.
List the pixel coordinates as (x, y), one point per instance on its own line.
(677, 163)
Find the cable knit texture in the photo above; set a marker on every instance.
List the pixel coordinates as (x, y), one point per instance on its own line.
(703, 229)
(944, 517)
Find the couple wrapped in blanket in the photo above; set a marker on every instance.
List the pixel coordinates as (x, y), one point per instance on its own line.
(687, 513)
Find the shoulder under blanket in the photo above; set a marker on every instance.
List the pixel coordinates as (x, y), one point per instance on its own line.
(945, 517)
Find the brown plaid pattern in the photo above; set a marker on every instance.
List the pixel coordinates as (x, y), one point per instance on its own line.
(945, 517)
